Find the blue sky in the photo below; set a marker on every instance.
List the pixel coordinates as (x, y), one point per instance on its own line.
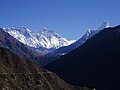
(69, 18)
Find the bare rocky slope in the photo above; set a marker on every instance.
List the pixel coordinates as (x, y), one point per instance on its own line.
(19, 74)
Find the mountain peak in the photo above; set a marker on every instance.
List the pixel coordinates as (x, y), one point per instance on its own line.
(104, 25)
(46, 30)
(45, 38)
(25, 28)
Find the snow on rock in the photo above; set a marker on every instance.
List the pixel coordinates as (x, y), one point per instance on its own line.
(44, 38)
(104, 25)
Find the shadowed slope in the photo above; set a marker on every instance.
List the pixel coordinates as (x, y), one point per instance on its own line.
(19, 74)
(94, 64)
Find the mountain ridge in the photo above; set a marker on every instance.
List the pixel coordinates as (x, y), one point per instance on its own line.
(22, 50)
(44, 38)
(89, 33)
(95, 63)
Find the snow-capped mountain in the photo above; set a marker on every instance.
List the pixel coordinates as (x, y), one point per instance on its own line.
(20, 49)
(44, 38)
(89, 33)
(104, 25)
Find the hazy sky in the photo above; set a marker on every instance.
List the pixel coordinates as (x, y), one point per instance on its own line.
(69, 18)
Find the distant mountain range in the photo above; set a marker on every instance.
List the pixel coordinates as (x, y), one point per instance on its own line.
(89, 33)
(43, 46)
(22, 50)
(91, 61)
(44, 38)
(32, 45)
(47, 38)
(96, 63)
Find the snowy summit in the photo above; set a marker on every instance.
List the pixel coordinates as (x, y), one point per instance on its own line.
(104, 25)
(44, 38)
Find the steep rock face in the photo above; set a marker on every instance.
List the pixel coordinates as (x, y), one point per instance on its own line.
(96, 63)
(44, 38)
(19, 74)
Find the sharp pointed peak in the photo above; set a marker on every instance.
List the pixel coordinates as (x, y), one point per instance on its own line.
(105, 24)
(45, 29)
(25, 28)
